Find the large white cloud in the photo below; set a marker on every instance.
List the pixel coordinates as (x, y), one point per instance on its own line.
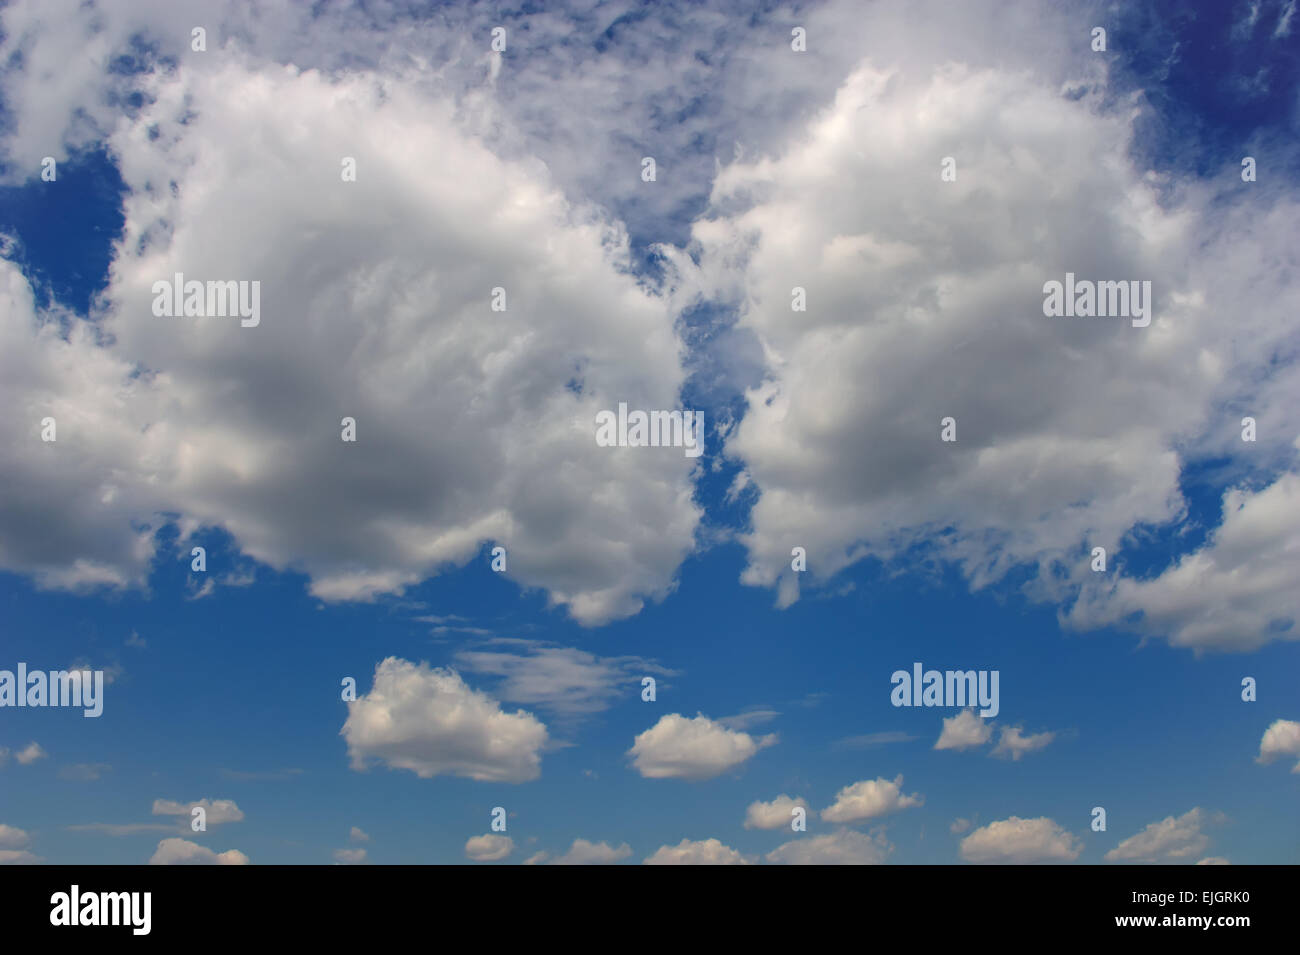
(697, 852)
(924, 300)
(473, 426)
(869, 798)
(429, 721)
(1020, 841)
(696, 748)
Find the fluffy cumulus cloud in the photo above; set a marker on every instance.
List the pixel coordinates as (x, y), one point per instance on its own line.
(1013, 743)
(919, 280)
(700, 748)
(1020, 841)
(1281, 740)
(429, 721)
(700, 852)
(349, 856)
(966, 730)
(773, 815)
(489, 847)
(870, 798)
(584, 852)
(842, 847)
(184, 852)
(1172, 839)
(375, 305)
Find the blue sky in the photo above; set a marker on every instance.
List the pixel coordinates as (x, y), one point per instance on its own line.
(776, 169)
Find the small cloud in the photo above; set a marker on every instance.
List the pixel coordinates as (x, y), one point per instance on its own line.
(701, 852)
(1020, 841)
(489, 847)
(349, 856)
(773, 815)
(184, 852)
(1013, 744)
(137, 641)
(30, 754)
(959, 826)
(964, 731)
(1172, 839)
(698, 748)
(870, 798)
(583, 852)
(358, 835)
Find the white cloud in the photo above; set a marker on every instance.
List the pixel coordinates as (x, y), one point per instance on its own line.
(1235, 593)
(1214, 860)
(216, 811)
(184, 852)
(1281, 739)
(1020, 841)
(870, 798)
(942, 283)
(842, 847)
(701, 852)
(11, 837)
(18, 857)
(964, 731)
(30, 753)
(489, 847)
(1169, 840)
(429, 721)
(349, 856)
(458, 408)
(583, 852)
(772, 815)
(357, 834)
(959, 826)
(1012, 743)
(700, 748)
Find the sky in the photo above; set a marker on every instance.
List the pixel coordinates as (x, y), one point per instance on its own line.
(434, 617)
